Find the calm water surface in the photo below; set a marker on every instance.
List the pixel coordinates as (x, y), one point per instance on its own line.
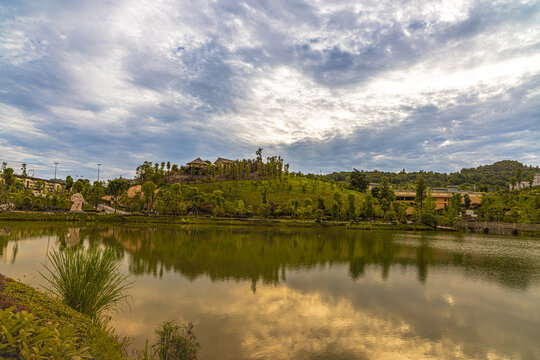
(315, 294)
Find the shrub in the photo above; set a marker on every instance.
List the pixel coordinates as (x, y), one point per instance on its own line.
(429, 220)
(176, 343)
(87, 280)
(23, 336)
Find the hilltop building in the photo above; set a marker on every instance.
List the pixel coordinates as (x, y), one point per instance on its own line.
(220, 162)
(197, 163)
(526, 184)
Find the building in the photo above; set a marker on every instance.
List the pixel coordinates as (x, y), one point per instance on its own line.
(30, 182)
(441, 197)
(197, 163)
(526, 184)
(220, 162)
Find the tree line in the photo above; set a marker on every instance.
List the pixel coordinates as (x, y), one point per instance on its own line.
(485, 178)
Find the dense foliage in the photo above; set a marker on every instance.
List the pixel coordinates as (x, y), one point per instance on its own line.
(512, 206)
(23, 336)
(486, 177)
(101, 343)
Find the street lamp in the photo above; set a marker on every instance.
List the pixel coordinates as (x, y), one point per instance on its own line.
(98, 165)
(55, 166)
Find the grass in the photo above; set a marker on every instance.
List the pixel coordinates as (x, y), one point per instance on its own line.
(87, 280)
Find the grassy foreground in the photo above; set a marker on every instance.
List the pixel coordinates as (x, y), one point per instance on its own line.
(102, 344)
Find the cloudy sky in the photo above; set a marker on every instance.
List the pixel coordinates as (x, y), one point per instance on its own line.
(328, 85)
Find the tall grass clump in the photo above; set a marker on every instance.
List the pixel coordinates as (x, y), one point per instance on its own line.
(87, 280)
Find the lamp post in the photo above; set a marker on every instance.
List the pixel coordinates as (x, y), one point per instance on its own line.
(98, 165)
(55, 166)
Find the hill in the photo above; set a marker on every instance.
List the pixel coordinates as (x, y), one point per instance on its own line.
(295, 196)
(498, 174)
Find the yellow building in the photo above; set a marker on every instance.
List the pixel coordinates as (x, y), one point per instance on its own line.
(441, 197)
(30, 182)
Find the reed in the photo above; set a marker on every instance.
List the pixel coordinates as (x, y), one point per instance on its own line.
(87, 279)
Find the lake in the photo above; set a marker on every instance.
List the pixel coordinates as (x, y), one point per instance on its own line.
(264, 293)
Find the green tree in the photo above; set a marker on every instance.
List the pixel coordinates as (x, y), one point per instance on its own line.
(69, 182)
(320, 203)
(352, 208)
(467, 201)
(148, 189)
(259, 154)
(530, 179)
(367, 209)
(117, 188)
(96, 193)
(421, 188)
(7, 175)
(336, 209)
(359, 181)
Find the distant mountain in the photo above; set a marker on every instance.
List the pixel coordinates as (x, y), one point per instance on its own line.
(496, 174)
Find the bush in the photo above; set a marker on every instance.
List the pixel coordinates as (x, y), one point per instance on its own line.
(173, 342)
(176, 343)
(429, 220)
(23, 336)
(87, 280)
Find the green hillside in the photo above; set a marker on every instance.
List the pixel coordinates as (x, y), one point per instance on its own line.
(294, 196)
(498, 174)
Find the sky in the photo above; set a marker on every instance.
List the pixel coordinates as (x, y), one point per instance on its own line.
(327, 85)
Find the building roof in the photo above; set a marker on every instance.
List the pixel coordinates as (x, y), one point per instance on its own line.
(197, 161)
(222, 160)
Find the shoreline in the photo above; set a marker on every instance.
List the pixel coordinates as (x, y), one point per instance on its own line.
(494, 228)
(21, 217)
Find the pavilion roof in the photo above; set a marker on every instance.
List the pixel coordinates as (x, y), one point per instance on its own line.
(197, 161)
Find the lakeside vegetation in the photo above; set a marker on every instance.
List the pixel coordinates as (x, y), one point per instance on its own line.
(268, 190)
(86, 283)
(48, 315)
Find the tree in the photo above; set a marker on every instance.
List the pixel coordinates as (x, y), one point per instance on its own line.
(69, 182)
(335, 210)
(367, 209)
(420, 194)
(530, 179)
(23, 170)
(259, 154)
(148, 189)
(338, 199)
(518, 175)
(321, 205)
(116, 188)
(467, 201)
(96, 193)
(7, 175)
(352, 208)
(359, 181)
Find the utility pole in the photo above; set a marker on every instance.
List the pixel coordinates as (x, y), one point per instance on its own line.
(98, 165)
(55, 166)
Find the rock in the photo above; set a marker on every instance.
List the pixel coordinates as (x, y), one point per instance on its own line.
(78, 201)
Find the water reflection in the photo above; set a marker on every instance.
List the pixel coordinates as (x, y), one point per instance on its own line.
(326, 294)
(265, 255)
